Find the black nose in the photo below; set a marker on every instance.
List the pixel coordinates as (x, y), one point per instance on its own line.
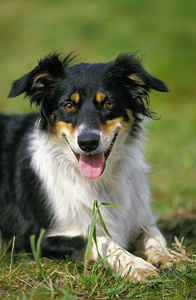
(88, 142)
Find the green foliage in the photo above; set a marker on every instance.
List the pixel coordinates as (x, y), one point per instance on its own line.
(36, 250)
(68, 281)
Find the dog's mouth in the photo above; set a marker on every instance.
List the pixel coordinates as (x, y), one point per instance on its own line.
(93, 165)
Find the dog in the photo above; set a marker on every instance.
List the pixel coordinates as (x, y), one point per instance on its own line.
(85, 144)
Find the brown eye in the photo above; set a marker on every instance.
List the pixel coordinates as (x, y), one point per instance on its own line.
(108, 104)
(69, 106)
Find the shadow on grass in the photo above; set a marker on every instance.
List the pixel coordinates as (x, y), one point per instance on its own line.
(181, 224)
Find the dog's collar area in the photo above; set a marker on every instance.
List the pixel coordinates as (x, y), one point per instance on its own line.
(93, 165)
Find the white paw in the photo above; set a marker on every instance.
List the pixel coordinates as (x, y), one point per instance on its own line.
(140, 270)
(128, 265)
(160, 259)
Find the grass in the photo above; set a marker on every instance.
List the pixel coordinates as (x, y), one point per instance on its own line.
(163, 32)
(26, 277)
(23, 278)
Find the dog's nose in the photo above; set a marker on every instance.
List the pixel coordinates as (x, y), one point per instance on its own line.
(88, 142)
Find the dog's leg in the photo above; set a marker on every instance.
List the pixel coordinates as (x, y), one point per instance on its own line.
(120, 260)
(60, 246)
(153, 246)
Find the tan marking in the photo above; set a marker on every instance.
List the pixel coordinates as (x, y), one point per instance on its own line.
(136, 78)
(100, 97)
(60, 128)
(75, 97)
(112, 125)
(92, 257)
(44, 74)
(130, 115)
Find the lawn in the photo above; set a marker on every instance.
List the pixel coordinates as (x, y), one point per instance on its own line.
(163, 33)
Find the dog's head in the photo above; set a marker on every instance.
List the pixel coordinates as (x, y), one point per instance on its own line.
(91, 106)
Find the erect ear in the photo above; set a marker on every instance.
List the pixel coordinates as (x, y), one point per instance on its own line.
(38, 83)
(132, 69)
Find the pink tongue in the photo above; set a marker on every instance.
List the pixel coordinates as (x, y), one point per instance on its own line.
(92, 165)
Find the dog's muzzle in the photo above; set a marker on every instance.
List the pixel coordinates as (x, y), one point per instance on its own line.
(88, 142)
(92, 165)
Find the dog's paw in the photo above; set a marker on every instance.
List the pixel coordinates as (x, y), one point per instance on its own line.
(140, 271)
(162, 259)
(131, 267)
(126, 264)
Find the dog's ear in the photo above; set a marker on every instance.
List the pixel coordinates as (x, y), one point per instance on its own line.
(38, 83)
(132, 69)
(137, 82)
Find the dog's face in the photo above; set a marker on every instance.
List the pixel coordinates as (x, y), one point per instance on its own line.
(90, 106)
(90, 115)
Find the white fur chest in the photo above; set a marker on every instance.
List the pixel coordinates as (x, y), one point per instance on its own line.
(70, 196)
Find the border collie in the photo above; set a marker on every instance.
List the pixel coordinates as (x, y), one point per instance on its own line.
(85, 144)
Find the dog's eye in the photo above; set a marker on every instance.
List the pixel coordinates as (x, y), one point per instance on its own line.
(109, 104)
(69, 106)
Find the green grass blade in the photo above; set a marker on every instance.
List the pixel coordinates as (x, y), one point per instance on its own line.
(121, 207)
(103, 224)
(38, 247)
(91, 232)
(32, 242)
(36, 250)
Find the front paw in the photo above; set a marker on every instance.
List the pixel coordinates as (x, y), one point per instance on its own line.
(136, 269)
(162, 259)
(141, 271)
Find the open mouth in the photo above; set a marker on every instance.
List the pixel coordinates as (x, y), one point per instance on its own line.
(93, 165)
(108, 151)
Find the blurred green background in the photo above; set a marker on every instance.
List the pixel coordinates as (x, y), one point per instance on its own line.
(163, 33)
